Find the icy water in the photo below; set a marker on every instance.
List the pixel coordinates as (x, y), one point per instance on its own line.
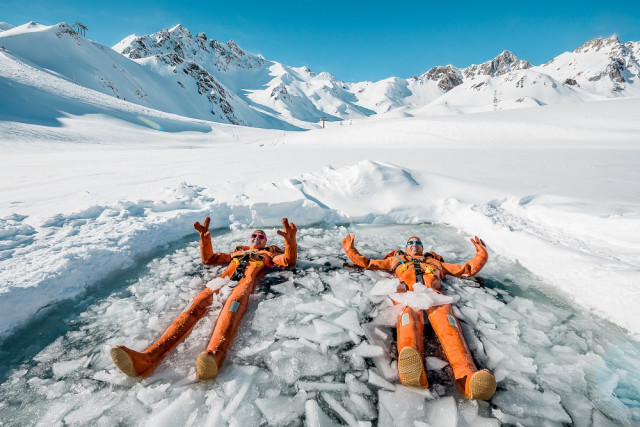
(316, 348)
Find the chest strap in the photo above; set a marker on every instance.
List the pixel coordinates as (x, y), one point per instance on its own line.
(242, 261)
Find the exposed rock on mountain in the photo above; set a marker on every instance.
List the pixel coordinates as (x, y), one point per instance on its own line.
(447, 76)
(501, 64)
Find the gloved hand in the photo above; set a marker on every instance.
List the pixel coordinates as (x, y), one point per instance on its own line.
(289, 232)
(347, 243)
(479, 244)
(204, 228)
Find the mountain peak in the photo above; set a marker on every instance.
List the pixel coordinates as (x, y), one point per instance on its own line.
(447, 76)
(504, 63)
(599, 43)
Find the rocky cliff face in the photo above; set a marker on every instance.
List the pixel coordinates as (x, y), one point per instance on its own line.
(447, 76)
(502, 64)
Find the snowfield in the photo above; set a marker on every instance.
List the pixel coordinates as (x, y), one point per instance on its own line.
(97, 248)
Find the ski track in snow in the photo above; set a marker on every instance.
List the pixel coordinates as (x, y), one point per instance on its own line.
(297, 355)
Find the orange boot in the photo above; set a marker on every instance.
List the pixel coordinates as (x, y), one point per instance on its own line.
(137, 364)
(411, 348)
(472, 383)
(210, 360)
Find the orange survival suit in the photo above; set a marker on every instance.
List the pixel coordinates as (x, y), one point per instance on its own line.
(246, 264)
(429, 269)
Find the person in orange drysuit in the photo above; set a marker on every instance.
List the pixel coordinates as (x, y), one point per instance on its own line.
(411, 267)
(246, 264)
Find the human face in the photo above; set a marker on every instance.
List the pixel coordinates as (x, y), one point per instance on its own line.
(414, 246)
(257, 240)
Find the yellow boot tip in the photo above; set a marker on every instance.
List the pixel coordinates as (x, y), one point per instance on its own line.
(482, 385)
(207, 368)
(410, 368)
(123, 361)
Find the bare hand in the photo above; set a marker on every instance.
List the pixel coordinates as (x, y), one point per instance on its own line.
(204, 227)
(290, 230)
(347, 243)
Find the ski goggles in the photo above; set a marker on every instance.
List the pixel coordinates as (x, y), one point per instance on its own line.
(258, 236)
(414, 242)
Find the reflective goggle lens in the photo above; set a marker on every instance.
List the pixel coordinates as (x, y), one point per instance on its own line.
(258, 236)
(414, 242)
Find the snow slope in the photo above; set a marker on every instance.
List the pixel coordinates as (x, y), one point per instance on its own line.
(188, 91)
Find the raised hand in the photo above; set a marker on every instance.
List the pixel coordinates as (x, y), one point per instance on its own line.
(479, 244)
(202, 228)
(290, 230)
(347, 242)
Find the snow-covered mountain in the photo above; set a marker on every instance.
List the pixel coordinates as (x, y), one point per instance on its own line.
(187, 90)
(199, 77)
(602, 65)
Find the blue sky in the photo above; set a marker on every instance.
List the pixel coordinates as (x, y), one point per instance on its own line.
(356, 40)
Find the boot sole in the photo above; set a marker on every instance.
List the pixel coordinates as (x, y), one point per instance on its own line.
(123, 361)
(207, 368)
(482, 385)
(410, 367)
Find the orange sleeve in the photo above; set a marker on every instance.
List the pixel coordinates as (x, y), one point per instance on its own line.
(469, 268)
(290, 255)
(206, 252)
(372, 264)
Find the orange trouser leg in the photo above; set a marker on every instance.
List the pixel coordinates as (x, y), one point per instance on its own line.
(229, 320)
(411, 348)
(144, 363)
(449, 333)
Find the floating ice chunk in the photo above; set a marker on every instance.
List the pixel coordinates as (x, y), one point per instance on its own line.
(356, 386)
(220, 282)
(282, 410)
(354, 337)
(315, 417)
(178, 410)
(61, 369)
(421, 298)
(368, 350)
(357, 362)
(312, 282)
(340, 410)
(244, 380)
(349, 320)
(435, 364)
(442, 412)
(291, 364)
(326, 328)
(312, 346)
(385, 287)
(400, 407)
(364, 408)
(254, 348)
(525, 402)
(334, 300)
(323, 308)
(322, 386)
(150, 394)
(216, 405)
(378, 381)
(286, 288)
(388, 316)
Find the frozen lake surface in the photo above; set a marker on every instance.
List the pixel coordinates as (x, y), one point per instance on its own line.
(316, 347)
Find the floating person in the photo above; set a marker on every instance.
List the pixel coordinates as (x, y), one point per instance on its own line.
(246, 264)
(415, 266)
